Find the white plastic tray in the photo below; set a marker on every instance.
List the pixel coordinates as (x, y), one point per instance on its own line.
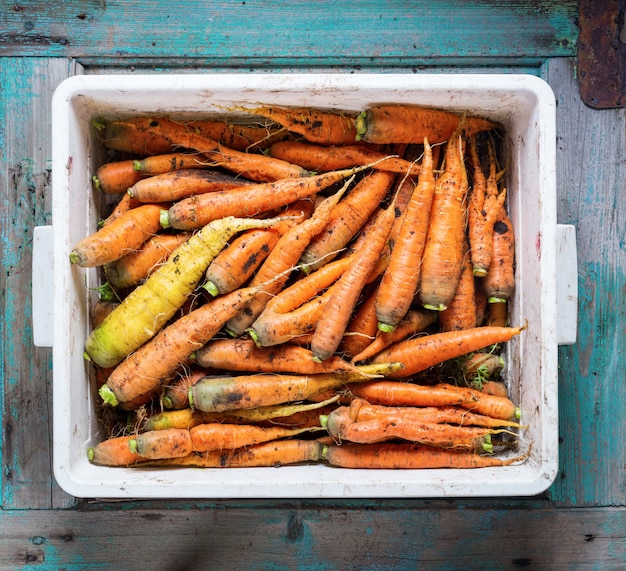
(525, 106)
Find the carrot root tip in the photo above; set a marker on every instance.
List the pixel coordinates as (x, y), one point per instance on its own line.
(107, 395)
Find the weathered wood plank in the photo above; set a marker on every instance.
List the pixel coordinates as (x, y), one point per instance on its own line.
(295, 535)
(257, 34)
(25, 373)
(591, 179)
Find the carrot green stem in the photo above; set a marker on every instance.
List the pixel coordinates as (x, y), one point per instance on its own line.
(74, 257)
(107, 395)
(253, 334)
(385, 328)
(137, 165)
(190, 397)
(96, 182)
(361, 125)
(211, 288)
(164, 219)
(439, 307)
(518, 413)
(90, 454)
(494, 299)
(132, 444)
(167, 402)
(487, 445)
(323, 420)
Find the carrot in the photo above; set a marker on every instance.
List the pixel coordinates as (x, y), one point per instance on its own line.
(347, 218)
(400, 280)
(159, 164)
(136, 266)
(497, 313)
(480, 366)
(116, 177)
(273, 453)
(147, 368)
(111, 242)
(150, 305)
(362, 326)
(114, 451)
(415, 321)
(420, 353)
(250, 200)
(336, 315)
(397, 123)
(182, 183)
(218, 436)
(323, 159)
(220, 393)
(234, 265)
(443, 252)
(390, 392)
(499, 282)
(461, 310)
(236, 136)
(495, 388)
(124, 204)
(245, 355)
(315, 125)
(158, 444)
(176, 391)
(484, 205)
(126, 137)
(409, 456)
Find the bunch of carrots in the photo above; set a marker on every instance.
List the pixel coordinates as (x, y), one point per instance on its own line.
(317, 286)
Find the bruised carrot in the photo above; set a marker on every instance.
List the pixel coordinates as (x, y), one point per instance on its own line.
(397, 123)
(251, 200)
(409, 456)
(219, 436)
(391, 392)
(415, 321)
(123, 235)
(116, 177)
(219, 393)
(347, 218)
(499, 282)
(182, 183)
(315, 125)
(244, 355)
(150, 305)
(401, 277)
(461, 310)
(114, 451)
(266, 454)
(336, 315)
(318, 158)
(420, 353)
(136, 266)
(443, 252)
(159, 164)
(158, 444)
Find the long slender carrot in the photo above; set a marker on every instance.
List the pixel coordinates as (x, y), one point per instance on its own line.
(114, 451)
(220, 393)
(336, 315)
(443, 252)
(401, 277)
(409, 456)
(158, 444)
(460, 312)
(251, 200)
(150, 305)
(420, 353)
(391, 392)
(397, 123)
(219, 436)
(321, 126)
(322, 159)
(499, 282)
(116, 177)
(182, 183)
(136, 266)
(347, 218)
(125, 234)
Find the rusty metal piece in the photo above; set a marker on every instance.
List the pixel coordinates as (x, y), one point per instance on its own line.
(602, 53)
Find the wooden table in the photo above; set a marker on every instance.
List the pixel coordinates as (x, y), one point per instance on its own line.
(579, 523)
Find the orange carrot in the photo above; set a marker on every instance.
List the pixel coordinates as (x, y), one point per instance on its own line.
(478, 367)
(390, 392)
(254, 199)
(136, 266)
(362, 327)
(114, 451)
(126, 137)
(125, 234)
(116, 177)
(400, 280)
(396, 123)
(236, 136)
(219, 436)
(409, 456)
(315, 125)
(420, 353)
(347, 219)
(176, 391)
(159, 164)
(499, 282)
(182, 183)
(336, 315)
(443, 252)
(158, 444)
(415, 321)
(273, 453)
(124, 204)
(495, 388)
(461, 310)
(497, 313)
(318, 158)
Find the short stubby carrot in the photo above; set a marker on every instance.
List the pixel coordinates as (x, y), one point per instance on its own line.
(421, 353)
(114, 451)
(125, 234)
(116, 177)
